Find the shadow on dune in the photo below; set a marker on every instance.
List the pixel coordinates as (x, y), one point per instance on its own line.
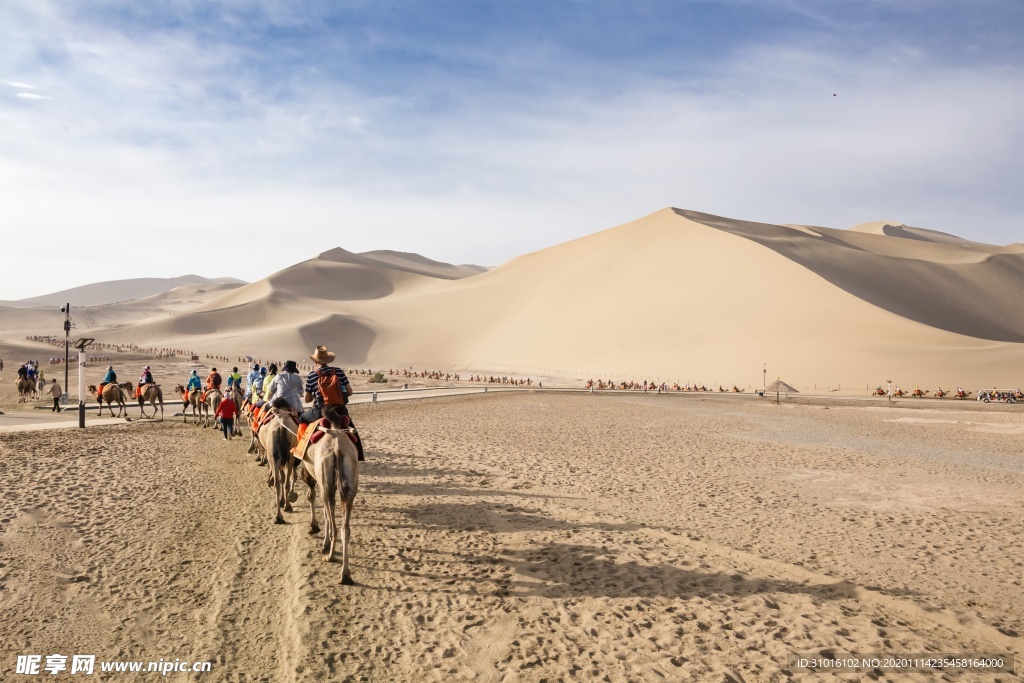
(978, 299)
(344, 334)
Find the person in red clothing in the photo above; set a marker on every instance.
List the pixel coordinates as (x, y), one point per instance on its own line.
(226, 411)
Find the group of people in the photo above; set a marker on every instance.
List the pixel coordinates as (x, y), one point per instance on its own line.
(325, 386)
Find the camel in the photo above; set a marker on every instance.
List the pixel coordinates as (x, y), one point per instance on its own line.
(154, 394)
(209, 406)
(112, 393)
(332, 463)
(939, 393)
(192, 399)
(961, 394)
(879, 391)
(919, 393)
(277, 438)
(26, 390)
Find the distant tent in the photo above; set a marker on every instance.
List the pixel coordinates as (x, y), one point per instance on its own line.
(779, 386)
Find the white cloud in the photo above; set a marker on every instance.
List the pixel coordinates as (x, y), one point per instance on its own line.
(23, 86)
(32, 96)
(165, 136)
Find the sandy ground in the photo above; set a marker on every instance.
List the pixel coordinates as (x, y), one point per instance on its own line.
(531, 537)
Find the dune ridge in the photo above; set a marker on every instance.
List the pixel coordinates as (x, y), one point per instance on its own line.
(676, 295)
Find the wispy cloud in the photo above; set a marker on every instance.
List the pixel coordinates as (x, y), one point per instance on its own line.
(32, 96)
(23, 86)
(494, 130)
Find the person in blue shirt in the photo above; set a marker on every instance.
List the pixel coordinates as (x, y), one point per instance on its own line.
(253, 376)
(194, 382)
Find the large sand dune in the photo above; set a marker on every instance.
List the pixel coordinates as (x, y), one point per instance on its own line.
(676, 296)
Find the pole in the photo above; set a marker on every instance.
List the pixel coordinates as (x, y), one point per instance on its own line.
(67, 332)
(81, 389)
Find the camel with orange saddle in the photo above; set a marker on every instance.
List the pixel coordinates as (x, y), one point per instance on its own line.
(190, 398)
(918, 393)
(112, 393)
(211, 399)
(330, 461)
(149, 393)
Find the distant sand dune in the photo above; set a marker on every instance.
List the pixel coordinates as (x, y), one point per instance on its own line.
(676, 296)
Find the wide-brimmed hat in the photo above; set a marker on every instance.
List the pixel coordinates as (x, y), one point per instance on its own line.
(321, 356)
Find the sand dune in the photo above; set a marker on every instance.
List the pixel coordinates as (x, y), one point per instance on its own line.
(677, 296)
(114, 291)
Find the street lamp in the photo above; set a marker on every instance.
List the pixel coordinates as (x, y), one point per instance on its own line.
(764, 382)
(81, 345)
(66, 310)
(889, 392)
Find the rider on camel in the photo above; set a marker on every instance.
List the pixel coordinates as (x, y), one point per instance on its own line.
(194, 382)
(109, 378)
(146, 378)
(332, 377)
(213, 380)
(234, 379)
(252, 377)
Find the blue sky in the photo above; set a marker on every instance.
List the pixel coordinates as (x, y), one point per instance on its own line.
(238, 138)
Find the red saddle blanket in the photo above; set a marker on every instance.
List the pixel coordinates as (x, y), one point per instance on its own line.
(314, 431)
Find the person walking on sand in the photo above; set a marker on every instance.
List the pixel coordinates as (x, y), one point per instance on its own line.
(55, 391)
(226, 411)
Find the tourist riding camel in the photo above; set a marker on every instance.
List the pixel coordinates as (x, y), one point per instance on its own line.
(326, 386)
(109, 378)
(194, 383)
(254, 375)
(213, 380)
(288, 385)
(144, 379)
(265, 384)
(234, 379)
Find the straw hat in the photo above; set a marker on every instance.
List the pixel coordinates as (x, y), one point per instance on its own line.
(321, 356)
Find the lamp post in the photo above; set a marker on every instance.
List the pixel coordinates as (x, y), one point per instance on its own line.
(81, 344)
(889, 392)
(764, 382)
(66, 310)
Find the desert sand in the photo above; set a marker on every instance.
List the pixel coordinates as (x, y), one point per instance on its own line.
(676, 296)
(532, 536)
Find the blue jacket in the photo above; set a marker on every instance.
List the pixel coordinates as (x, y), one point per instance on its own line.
(194, 383)
(110, 377)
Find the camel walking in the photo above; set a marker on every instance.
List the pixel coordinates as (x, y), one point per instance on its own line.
(278, 438)
(191, 399)
(112, 393)
(210, 404)
(26, 390)
(153, 394)
(333, 464)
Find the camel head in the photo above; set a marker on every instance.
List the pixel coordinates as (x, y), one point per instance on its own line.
(91, 388)
(180, 389)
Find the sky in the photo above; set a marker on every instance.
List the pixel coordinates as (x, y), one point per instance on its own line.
(157, 139)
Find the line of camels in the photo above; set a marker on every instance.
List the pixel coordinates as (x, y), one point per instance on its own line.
(923, 393)
(329, 462)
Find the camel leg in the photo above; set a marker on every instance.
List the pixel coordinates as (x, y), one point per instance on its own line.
(346, 575)
(327, 490)
(314, 528)
(142, 408)
(278, 489)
